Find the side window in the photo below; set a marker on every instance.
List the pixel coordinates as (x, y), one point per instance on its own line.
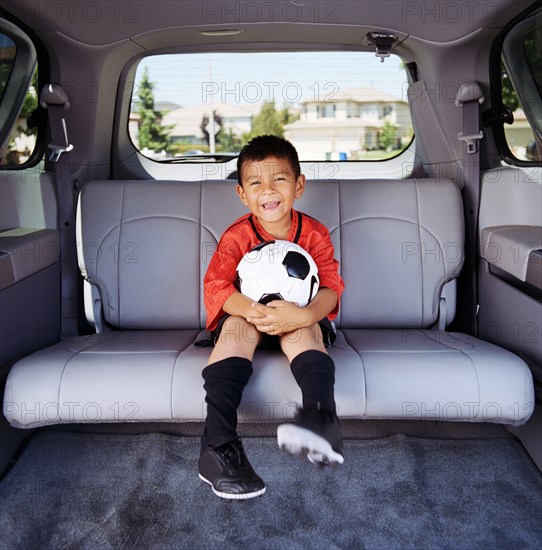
(521, 78)
(18, 96)
(8, 51)
(22, 139)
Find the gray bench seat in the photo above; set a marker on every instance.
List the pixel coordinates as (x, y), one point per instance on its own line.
(144, 247)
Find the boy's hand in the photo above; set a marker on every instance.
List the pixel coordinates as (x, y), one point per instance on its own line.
(278, 317)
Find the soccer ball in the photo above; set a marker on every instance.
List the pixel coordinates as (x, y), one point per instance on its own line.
(278, 270)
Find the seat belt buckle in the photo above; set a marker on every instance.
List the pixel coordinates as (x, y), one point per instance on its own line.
(471, 141)
(56, 101)
(57, 150)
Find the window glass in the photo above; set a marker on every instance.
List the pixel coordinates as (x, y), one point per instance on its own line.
(533, 53)
(8, 51)
(521, 135)
(330, 105)
(22, 139)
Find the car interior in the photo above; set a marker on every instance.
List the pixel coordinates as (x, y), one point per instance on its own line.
(419, 129)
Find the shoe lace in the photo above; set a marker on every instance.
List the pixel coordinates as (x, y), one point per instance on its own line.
(234, 453)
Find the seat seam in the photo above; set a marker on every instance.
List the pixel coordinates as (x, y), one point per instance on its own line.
(143, 218)
(76, 354)
(118, 251)
(174, 370)
(421, 253)
(359, 354)
(172, 392)
(471, 362)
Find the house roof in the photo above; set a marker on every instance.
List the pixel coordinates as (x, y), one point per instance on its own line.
(186, 120)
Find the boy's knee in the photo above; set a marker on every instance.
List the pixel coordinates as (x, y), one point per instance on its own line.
(237, 330)
(310, 337)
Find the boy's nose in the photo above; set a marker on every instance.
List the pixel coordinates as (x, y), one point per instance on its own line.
(269, 185)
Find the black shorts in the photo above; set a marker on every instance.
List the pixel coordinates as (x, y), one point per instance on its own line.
(272, 342)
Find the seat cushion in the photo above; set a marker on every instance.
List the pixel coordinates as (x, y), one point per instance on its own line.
(106, 377)
(155, 376)
(431, 374)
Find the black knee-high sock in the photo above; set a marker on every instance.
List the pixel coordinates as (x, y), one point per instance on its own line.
(224, 384)
(314, 372)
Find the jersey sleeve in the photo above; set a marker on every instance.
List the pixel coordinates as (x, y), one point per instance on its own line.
(219, 281)
(323, 254)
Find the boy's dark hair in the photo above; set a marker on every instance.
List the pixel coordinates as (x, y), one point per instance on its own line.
(265, 146)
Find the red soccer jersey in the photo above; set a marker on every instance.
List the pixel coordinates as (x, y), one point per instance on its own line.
(244, 234)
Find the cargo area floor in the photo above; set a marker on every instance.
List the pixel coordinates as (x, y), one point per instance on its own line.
(107, 490)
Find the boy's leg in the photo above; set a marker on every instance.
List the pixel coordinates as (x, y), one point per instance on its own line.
(224, 382)
(227, 372)
(222, 462)
(315, 431)
(312, 367)
(237, 338)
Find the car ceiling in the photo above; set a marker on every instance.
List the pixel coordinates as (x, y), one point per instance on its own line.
(102, 22)
(99, 41)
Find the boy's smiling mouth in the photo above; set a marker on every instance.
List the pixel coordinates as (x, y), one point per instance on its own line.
(270, 205)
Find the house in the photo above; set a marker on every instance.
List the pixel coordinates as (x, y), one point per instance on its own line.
(345, 124)
(186, 121)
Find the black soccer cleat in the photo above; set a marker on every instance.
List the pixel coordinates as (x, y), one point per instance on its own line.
(313, 433)
(227, 470)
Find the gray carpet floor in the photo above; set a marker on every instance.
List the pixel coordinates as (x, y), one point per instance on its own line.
(84, 490)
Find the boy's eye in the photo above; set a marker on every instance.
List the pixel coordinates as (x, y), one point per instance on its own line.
(255, 182)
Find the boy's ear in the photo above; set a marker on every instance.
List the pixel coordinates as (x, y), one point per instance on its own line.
(241, 194)
(300, 186)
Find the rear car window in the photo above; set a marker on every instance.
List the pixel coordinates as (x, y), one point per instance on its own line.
(339, 106)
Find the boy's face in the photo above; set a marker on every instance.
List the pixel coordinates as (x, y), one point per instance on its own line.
(269, 189)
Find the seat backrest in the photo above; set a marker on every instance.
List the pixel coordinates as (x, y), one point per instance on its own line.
(146, 246)
(401, 242)
(140, 246)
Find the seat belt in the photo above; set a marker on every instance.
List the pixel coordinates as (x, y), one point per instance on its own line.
(469, 97)
(55, 100)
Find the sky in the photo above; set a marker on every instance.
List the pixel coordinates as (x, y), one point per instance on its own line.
(285, 77)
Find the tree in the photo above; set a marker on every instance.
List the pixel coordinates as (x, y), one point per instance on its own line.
(152, 135)
(509, 97)
(267, 121)
(30, 104)
(386, 135)
(287, 117)
(229, 141)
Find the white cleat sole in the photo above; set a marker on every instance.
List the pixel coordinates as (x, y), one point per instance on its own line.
(232, 496)
(302, 442)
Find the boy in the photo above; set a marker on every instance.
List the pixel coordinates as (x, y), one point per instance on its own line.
(270, 180)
